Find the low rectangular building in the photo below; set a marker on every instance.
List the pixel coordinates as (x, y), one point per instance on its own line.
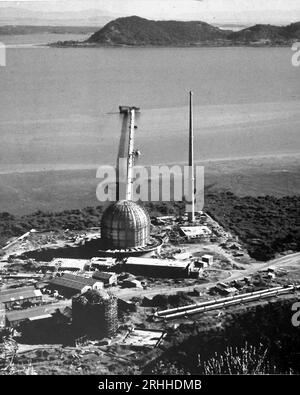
(103, 264)
(208, 259)
(14, 296)
(107, 278)
(14, 318)
(194, 232)
(229, 291)
(69, 284)
(154, 267)
(72, 265)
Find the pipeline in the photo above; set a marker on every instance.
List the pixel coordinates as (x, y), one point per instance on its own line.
(223, 303)
(210, 302)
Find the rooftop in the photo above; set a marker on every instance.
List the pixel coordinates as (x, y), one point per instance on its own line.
(18, 294)
(73, 281)
(157, 262)
(102, 275)
(195, 231)
(66, 262)
(21, 315)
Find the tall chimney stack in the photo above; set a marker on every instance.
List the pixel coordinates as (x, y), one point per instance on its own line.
(191, 214)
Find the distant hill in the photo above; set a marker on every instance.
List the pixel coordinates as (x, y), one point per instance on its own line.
(23, 30)
(26, 17)
(139, 31)
(267, 32)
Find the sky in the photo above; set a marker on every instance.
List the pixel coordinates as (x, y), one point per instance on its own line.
(212, 11)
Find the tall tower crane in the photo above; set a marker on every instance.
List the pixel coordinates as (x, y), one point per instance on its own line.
(132, 153)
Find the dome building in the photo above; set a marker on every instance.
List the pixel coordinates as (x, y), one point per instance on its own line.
(125, 225)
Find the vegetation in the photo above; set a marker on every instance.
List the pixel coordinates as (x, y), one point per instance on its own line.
(134, 30)
(139, 31)
(260, 340)
(247, 359)
(266, 225)
(276, 34)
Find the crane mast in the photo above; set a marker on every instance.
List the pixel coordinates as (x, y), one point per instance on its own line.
(132, 153)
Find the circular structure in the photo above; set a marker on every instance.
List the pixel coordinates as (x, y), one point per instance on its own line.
(125, 225)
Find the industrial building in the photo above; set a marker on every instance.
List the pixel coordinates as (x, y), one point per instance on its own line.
(66, 264)
(14, 318)
(11, 297)
(194, 232)
(106, 278)
(153, 267)
(71, 284)
(102, 264)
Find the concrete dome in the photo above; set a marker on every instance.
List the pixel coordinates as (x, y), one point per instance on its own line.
(125, 225)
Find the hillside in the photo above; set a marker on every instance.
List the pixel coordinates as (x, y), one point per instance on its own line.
(265, 225)
(139, 31)
(274, 34)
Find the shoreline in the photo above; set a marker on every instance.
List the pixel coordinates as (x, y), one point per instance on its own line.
(74, 167)
(140, 46)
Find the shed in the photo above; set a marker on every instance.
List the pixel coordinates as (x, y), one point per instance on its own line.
(208, 259)
(229, 291)
(132, 284)
(107, 278)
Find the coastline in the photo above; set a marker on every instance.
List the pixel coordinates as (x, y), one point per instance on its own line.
(45, 168)
(200, 45)
(59, 189)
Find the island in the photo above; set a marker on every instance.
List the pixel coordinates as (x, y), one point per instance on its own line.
(137, 31)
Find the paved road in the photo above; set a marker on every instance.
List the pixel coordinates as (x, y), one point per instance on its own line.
(127, 294)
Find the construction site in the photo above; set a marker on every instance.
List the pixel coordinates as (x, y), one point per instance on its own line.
(85, 302)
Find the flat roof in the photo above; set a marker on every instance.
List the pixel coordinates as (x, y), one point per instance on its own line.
(157, 262)
(12, 291)
(67, 262)
(21, 315)
(40, 317)
(108, 260)
(20, 295)
(195, 230)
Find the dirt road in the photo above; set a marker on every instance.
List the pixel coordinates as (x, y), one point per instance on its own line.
(127, 294)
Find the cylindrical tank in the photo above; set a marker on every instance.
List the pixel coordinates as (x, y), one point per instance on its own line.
(95, 313)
